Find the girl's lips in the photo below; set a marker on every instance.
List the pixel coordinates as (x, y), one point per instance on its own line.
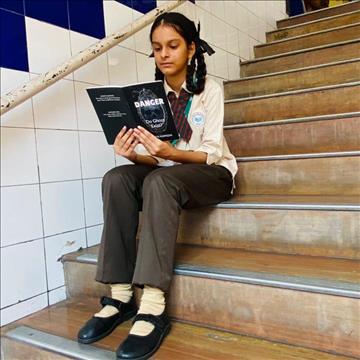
(166, 64)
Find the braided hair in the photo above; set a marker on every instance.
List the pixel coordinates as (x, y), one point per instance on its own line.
(196, 70)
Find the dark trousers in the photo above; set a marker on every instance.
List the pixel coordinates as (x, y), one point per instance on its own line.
(161, 193)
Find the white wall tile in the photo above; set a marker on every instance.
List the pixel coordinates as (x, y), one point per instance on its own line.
(142, 40)
(120, 160)
(20, 214)
(122, 66)
(97, 157)
(18, 157)
(232, 41)
(54, 108)
(87, 118)
(23, 309)
(219, 32)
(145, 68)
(59, 157)
(244, 45)
(21, 115)
(204, 4)
(93, 202)
(57, 295)
(55, 247)
(22, 272)
(96, 71)
(48, 45)
(220, 64)
(117, 16)
(93, 234)
(63, 207)
(189, 10)
(217, 8)
(231, 13)
(242, 15)
(234, 67)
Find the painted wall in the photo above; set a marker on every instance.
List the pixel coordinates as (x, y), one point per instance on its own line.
(53, 153)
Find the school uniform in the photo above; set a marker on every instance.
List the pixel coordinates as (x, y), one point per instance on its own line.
(161, 192)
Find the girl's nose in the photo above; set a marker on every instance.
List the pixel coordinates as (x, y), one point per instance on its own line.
(164, 53)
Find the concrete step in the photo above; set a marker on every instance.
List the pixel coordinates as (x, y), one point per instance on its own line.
(314, 26)
(262, 295)
(319, 75)
(327, 226)
(55, 329)
(333, 133)
(323, 37)
(319, 14)
(300, 174)
(326, 100)
(299, 59)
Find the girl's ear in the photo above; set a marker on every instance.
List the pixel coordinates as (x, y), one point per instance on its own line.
(191, 50)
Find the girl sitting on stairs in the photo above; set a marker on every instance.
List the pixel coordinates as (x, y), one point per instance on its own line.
(198, 170)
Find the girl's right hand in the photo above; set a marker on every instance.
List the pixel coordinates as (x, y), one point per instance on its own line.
(125, 143)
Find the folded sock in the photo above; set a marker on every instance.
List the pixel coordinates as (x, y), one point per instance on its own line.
(152, 302)
(121, 292)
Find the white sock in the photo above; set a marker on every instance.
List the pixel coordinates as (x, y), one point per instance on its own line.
(152, 302)
(121, 292)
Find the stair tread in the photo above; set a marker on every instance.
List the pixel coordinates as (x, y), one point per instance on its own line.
(183, 342)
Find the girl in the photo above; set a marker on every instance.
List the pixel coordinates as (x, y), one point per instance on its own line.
(198, 170)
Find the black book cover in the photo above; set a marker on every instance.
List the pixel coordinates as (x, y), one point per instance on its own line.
(143, 104)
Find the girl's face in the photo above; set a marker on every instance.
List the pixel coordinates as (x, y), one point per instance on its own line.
(170, 51)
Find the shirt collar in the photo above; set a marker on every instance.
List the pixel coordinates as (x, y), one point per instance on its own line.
(168, 88)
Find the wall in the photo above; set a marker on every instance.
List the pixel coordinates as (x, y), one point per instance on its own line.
(53, 153)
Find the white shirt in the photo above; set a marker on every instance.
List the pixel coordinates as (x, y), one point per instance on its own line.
(206, 119)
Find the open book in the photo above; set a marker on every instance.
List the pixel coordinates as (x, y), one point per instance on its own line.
(143, 104)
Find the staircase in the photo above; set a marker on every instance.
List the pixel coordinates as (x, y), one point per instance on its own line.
(274, 273)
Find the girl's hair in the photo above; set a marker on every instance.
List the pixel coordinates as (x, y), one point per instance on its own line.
(196, 73)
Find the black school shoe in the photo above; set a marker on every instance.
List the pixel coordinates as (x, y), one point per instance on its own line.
(97, 327)
(136, 347)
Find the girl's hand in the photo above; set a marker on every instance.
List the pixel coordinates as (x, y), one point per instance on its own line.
(153, 145)
(125, 143)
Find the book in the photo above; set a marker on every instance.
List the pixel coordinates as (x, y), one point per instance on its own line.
(143, 104)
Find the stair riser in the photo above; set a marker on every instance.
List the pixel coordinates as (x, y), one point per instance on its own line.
(332, 233)
(316, 176)
(287, 106)
(345, 19)
(302, 59)
(332, 11)
(318, 321)
(302, 79)
(296, 138)
(328, 37)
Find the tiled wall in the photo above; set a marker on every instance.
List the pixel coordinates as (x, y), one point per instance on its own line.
(53, 153)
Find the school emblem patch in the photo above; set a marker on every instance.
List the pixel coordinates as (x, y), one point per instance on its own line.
(198, 119)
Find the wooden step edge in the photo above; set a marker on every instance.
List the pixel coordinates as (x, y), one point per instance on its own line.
(299, 283)
(295, 92)
(320, 47)
(342, 62)
(313, 22)
(304, 36)
(294, 120)
(317, 11)
(58, 344)
(299, 156)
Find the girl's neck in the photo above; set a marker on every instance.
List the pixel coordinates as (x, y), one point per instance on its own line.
(175, 82)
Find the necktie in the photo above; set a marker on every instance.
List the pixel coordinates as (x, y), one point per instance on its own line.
(178, 106)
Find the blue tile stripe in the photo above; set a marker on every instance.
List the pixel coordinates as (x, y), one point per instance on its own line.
(13, 5)
(13, 49)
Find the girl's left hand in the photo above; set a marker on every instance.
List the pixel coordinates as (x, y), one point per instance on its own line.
(152, 144)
